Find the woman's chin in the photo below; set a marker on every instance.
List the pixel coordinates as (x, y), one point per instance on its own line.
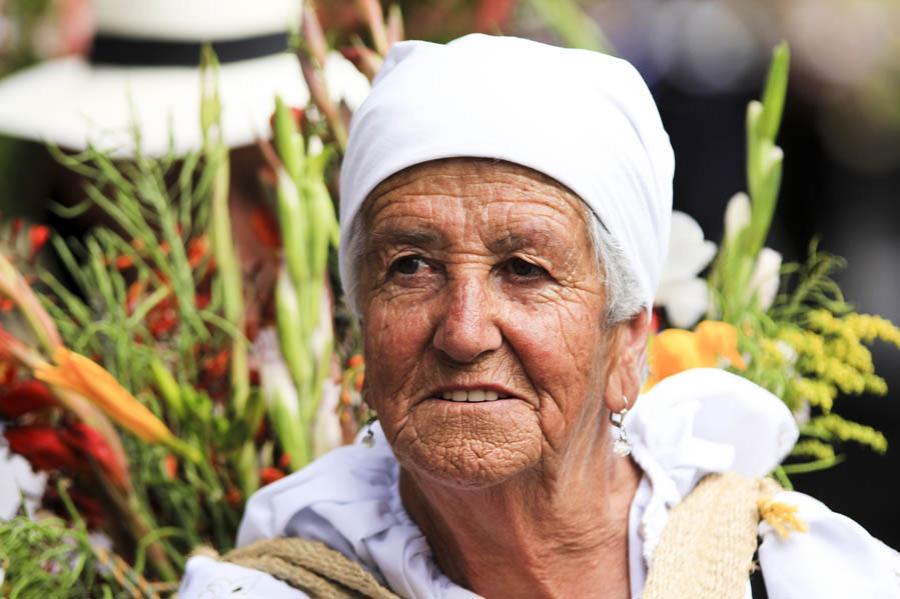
(469, 445)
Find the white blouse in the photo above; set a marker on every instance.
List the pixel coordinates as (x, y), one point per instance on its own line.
(689, 425)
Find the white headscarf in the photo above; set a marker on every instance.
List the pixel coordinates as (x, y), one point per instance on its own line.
(580, 117)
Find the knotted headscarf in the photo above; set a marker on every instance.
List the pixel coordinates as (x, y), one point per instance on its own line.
(583, 118)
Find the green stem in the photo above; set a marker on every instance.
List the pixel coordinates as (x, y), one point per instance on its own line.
(813, 466)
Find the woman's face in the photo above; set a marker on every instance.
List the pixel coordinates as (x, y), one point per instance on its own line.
(483, 316)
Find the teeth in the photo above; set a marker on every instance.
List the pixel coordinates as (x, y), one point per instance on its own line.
(474, 396)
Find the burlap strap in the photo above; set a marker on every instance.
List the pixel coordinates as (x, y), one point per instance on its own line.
(706, 549)
(312, 567)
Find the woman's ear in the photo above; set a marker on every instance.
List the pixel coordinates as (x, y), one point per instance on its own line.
(628, 357)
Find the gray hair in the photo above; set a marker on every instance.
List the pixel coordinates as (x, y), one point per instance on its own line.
(624, 299)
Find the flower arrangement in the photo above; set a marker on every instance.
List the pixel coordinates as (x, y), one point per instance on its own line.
(156, 397)
(787, 328)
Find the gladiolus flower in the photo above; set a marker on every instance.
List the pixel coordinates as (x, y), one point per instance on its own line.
(77, 373)
(713, 344)
(681, 292)
(89, 442)
(44, 447)
(24, 397)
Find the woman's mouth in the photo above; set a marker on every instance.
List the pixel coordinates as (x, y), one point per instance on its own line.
(473, 396)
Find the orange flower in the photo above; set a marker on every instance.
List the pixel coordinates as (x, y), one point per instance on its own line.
(712, 345)
(77, 373)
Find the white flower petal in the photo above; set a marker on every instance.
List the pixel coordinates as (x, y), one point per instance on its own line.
(766, 277)
(737, 214)
(689, 253)
(685, 301)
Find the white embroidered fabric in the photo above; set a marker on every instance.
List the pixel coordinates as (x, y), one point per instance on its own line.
(689, 425)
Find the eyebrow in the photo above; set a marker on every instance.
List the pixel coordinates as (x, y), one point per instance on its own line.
(423, 238)
(534, 239)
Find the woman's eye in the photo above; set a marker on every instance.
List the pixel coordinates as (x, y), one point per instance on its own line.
(406, 265)
(524, 269)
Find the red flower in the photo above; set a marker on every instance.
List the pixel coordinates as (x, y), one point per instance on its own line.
(38, 235)
(269, 475)
(24, 397)
(197, 248)
(233, 496)
(87, 441)
(217, 365)
(124, 261)
(162, 318)
(170, 465)
(44, 447)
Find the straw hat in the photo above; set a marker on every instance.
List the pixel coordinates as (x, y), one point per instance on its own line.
(143, 71)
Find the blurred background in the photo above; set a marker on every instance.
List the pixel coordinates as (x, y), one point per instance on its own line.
(704, 60)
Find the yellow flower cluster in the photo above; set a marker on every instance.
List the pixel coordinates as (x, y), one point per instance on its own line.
(818, 393)
(832, 427)
(832, 357)
(868, 328)
(813, 448)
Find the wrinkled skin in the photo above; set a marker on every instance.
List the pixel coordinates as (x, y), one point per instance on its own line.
(481, 274)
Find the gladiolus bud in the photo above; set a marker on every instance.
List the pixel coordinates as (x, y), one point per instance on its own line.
(77, 373)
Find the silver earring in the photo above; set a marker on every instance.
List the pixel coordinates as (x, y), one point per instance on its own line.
(369, 439)
(622, 445)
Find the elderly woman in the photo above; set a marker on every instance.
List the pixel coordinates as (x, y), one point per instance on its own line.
(505, 213)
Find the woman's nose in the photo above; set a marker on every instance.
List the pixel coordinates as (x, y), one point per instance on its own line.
(468, 327)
